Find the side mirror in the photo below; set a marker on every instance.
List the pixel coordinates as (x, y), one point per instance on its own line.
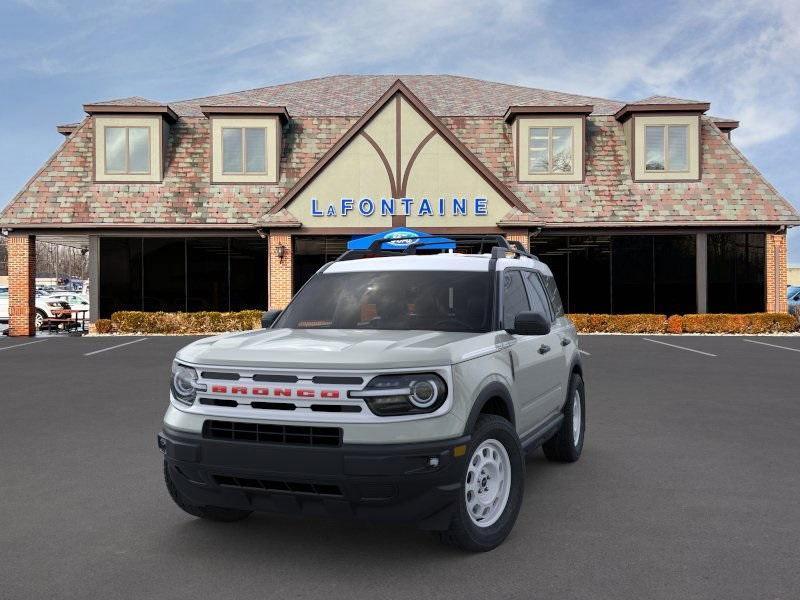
(268, 318)
(531, 323)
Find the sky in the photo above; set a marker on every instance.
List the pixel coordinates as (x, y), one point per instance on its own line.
(739, 55)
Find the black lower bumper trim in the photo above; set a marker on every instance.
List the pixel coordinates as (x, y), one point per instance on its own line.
(388, 482)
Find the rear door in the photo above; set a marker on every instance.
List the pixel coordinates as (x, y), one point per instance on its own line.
(535, 359)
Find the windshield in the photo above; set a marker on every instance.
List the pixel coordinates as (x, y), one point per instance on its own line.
(434, 300)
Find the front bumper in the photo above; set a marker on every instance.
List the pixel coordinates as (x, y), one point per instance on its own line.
(412, 483)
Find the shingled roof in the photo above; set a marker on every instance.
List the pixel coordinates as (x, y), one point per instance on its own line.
(731, 191)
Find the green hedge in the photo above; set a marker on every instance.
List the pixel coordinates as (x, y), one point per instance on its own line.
(197, 322)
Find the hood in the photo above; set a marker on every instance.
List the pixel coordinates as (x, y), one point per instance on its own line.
(331, 349)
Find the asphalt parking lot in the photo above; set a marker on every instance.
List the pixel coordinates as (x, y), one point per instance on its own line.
(688, 488)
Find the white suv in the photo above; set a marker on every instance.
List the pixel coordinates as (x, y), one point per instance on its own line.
(401, 387)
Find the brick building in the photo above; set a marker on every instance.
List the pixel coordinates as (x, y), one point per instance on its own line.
(233, 201)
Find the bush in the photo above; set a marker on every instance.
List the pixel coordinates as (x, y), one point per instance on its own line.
(103, 326)
(707, 323)
(748, 323)
(197, 322)
(619, 323)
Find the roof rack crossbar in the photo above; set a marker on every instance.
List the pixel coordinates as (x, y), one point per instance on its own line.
(416, 242)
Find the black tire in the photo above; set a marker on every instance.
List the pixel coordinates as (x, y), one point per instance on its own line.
(212, 513)
(563, 447)
(43, 315)
(465, 534)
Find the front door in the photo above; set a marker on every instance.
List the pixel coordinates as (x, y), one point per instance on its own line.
(536, 360)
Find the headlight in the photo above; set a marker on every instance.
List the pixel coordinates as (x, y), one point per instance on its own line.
(403, 394)
(184, 384)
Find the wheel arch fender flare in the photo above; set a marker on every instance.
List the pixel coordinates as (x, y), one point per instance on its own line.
(492, 390)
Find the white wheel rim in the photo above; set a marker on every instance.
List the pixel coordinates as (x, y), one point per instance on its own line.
(488, 483)
(39, 320)
(576, 417)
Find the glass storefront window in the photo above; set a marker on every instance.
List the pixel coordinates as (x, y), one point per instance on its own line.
(180, 274)
(736, 272)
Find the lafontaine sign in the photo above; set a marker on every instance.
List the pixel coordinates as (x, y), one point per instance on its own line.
(422, 207)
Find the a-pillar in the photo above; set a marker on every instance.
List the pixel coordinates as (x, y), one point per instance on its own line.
(279, 260)
(21, 284)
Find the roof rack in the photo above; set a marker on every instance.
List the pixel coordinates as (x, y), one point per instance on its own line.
(499, 245)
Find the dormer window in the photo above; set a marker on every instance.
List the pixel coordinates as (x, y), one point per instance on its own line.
(548, 142)
(666, 148)
(244, 150)
(245, 143)
(127, 150)
(550, 150)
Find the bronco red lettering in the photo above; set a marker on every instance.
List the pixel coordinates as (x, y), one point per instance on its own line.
(219, 389)
(305, 393)
(238, 390)
(329, 394)
(282, 392)
(260, 391)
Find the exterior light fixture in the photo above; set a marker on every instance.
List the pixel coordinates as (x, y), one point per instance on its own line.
(280, 252)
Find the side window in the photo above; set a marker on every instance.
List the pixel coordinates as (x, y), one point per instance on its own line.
(515, 298)
(537, 294)
(555, 297)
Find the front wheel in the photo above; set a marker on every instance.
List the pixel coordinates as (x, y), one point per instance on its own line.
(492, 487)
(567, 444)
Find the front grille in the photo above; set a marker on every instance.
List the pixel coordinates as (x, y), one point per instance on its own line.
(290, 487)
(272, 434)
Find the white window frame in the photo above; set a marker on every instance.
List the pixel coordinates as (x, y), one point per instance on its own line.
(127, 129)
(550, 170)
(665, 148)
(244, 171)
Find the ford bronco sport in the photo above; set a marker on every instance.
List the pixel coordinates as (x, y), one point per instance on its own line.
(397, 386)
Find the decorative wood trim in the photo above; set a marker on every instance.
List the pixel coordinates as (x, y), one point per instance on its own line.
(399, 87)
(384, 160)
(412, 158)
(279, 111)
(629, 109)
(131, 109)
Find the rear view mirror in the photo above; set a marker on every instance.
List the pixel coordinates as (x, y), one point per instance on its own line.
(531, 323)
(268, 318)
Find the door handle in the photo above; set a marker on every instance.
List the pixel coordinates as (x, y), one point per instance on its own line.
(544, 349)
(565, 341)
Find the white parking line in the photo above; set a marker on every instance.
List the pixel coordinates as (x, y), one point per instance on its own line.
(113, 347)
(771, 345)
(20, 345)
(680, 347)
(584, 352)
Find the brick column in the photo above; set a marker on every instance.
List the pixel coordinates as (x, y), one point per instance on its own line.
(775, 273)
(21, 284)
(519, 235)
(280, 270)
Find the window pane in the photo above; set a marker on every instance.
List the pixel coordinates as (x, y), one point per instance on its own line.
(538, 150)
(164, 277)
(736, 272)
(231, 150)
(674, 272)
(515, 298)
(632, 274)
(654, 148)
(678, 140)
(552, 251)
(562, 149)
(536, 294)
(120, 266)
(248, 273)
(589, 274)
(255, 139)
(115, 149)
(138, 149)
(207, 273)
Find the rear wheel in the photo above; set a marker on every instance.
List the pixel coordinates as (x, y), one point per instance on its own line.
(567, 444)
(39, 319)
(492, 487)
(212, 513)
